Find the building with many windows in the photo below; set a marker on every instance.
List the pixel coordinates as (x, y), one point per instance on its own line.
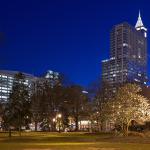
(7, 78)
(6, 83)
(128, 55)
(53, 77)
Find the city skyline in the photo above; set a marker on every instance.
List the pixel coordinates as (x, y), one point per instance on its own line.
(66, 44)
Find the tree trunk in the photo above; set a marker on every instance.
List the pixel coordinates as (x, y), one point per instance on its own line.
(97, 125)
(19, 130)
(54, 127)
(35, 125)
(76, 122)
(101, 126)
(9, 132)
(123, 129)
(127, 130)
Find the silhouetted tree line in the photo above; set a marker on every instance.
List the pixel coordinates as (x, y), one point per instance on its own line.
(44, 102)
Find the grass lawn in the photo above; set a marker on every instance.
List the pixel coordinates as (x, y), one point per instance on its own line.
(71, 141)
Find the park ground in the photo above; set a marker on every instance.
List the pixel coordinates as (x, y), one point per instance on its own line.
(72, 141)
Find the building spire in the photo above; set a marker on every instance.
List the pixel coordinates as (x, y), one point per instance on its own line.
(140, 26)
(139, 14)
(139, 23)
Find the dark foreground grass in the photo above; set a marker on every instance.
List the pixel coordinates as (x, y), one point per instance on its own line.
(71, 141)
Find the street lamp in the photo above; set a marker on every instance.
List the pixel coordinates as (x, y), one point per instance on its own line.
(54, 124)
(59, 117)
(54, 120)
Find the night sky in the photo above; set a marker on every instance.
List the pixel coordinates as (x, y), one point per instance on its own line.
(68, 36)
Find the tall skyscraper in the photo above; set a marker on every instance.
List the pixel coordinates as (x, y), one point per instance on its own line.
(128, 55)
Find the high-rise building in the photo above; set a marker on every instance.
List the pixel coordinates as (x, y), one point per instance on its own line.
(53, 77)
(6, 83)
(128, 55)
(7, 78)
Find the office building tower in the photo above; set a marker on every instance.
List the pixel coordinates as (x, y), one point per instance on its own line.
(128, 55)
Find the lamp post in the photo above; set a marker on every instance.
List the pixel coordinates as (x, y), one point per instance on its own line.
(97, 119)
(54, 124)
(59, 118)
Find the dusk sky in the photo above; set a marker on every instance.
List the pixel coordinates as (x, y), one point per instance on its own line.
(68, 36)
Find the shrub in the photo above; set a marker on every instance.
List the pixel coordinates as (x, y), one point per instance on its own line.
(132, 133)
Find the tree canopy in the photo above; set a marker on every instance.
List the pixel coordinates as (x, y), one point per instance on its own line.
(129, 105)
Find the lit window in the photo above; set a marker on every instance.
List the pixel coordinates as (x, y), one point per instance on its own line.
(4, 91)
(125, 45)
(4, 96)
(4, 76)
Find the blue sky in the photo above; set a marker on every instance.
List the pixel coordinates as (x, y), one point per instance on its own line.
(68, 36)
